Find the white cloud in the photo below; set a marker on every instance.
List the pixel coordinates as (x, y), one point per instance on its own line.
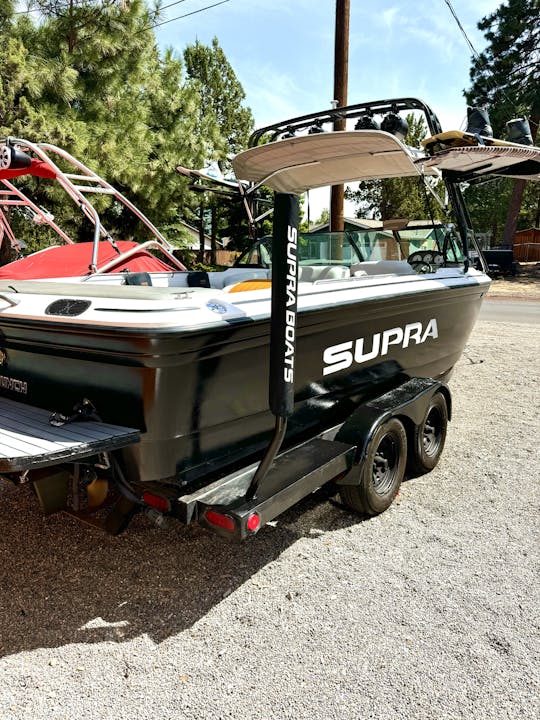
(388, 16)
(273, 94)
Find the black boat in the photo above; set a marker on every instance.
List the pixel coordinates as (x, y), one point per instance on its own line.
(184, 358)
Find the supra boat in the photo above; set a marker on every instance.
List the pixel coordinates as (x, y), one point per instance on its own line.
(184, 359)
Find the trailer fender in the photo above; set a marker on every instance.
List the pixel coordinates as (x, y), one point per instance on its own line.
(407, 402)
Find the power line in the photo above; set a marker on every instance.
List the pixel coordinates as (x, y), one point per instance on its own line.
(38, 9)
(460, 26)
(480, 61)
(194, 12)
(160, 24)
(164, 7)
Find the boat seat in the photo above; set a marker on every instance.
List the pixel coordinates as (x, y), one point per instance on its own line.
(261, 279)
(382, 267)
(231, 276)
(221, 280)
(313, 273)
(246, 285)
(138, 278)
(217, 279)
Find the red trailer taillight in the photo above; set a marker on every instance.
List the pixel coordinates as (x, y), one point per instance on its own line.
(156, 501)
(254, 522)
(223, 521)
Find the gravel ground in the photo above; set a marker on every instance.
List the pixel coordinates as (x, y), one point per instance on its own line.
(525, 285)
(430, 610)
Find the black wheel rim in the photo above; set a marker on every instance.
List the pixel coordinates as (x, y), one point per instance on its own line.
(432, 433)
(385, 464)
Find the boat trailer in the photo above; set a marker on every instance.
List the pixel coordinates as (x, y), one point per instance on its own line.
(64, 463)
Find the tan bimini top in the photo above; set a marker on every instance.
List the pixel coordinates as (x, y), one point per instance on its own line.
(297, 164)
(521, 162)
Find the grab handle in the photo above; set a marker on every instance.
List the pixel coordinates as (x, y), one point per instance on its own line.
(12, 302)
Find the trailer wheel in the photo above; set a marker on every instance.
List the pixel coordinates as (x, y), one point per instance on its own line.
(381, 473)
(427, 439)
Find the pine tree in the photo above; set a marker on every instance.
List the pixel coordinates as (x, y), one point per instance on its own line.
(221, 94)
(506, 79)
(395, 197)
(89, 77)
(221, 98)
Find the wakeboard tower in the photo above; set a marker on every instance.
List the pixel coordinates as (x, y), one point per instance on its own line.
(23, 159)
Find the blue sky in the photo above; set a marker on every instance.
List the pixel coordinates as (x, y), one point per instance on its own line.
(282, 50)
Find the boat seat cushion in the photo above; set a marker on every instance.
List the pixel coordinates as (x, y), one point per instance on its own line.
(313, 273)
(261, 279)
(198, 278)
(138, 278)
(218, 279)
(236, 275)
(246, 285)
(233, 276)
(382, 267)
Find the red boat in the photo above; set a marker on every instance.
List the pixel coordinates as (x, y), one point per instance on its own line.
(70, 259)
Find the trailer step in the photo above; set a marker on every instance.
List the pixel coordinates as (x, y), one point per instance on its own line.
(294, 475)
(28, 441)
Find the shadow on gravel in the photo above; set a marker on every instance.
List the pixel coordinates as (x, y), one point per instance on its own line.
(62, 582)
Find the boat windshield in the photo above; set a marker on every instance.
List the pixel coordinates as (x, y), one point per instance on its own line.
(401, 244)
(369, 244)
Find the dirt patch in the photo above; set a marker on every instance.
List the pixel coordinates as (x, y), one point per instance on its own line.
(526, 283)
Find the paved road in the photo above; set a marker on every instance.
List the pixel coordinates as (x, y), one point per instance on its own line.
(522, 311)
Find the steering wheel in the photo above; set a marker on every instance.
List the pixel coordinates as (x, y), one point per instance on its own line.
(426, 261)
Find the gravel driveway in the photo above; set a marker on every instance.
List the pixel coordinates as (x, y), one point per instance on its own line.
(430, 610)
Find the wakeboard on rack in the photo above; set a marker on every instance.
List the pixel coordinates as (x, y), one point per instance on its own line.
(467, 156)
(458, 138)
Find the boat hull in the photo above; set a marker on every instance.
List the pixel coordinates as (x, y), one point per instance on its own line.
(200, 397)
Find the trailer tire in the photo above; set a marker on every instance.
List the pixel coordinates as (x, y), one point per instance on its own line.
(427, 439)
(382, 471)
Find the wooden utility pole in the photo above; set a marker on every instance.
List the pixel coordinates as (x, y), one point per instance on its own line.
(341, 73)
